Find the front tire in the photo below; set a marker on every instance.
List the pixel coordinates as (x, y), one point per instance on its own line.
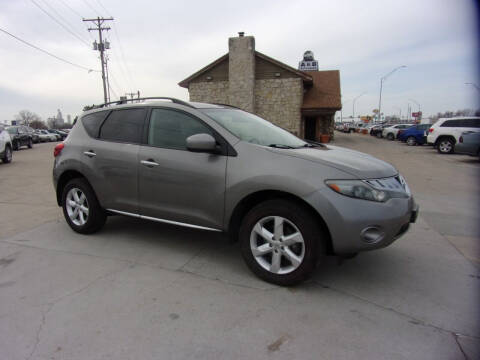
(80, 207)
(7, 156)
(411, 141)
(30, 143)
(379, 135)
(390, 137)
(280, 241)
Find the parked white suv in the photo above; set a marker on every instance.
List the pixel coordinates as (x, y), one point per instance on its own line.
(391, 132)
(445, 133)
(5, 145)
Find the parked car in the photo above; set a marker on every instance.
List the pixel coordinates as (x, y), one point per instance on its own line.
(33, 134)
(469, 143)
(445, 133)
(414, 135)
(391, 132)
(62, 134)
(218, 168)
(348, 127)
(377, 130)
(20, 136)
(42, 137)
(58, 137)
(48, 135)
(6, 146)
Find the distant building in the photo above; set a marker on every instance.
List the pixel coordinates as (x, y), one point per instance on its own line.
(303, 102)
(59, 118)
(69, 119)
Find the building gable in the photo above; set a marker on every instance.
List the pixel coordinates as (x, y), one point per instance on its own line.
(215, 71)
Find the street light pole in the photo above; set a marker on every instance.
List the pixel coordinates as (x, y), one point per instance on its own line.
(415, 103)
(382, 79)
(353, 109)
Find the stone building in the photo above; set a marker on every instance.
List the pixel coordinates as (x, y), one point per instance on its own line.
(303, 102)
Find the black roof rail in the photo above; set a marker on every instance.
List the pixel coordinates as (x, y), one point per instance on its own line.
(235, 107)
(120, 102)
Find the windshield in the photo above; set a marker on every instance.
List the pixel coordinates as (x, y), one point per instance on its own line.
(253, 129)
(12, 130)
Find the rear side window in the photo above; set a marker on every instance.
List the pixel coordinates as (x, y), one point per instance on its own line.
(124, 126)
(450, 123)
(170, 129)
(92, 122)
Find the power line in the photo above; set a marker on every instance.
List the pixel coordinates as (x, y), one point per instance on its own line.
(46, 52)
(59, 23)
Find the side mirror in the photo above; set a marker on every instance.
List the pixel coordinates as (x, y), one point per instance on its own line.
(202, 143)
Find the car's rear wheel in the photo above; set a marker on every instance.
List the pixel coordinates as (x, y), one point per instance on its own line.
(411, 141)
(81, 208)
(379, 135)
(390, 136)
(279, 241)
(445, 146)
(7, 156)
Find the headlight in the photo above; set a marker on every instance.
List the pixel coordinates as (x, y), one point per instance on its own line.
(361, 190)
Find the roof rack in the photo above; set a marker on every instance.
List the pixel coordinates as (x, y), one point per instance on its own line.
(120, 102)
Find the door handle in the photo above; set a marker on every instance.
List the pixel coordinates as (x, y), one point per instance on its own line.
(89, 153)
(149, 163)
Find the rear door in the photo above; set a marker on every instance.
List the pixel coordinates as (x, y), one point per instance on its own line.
(111, 157)
(176, 184)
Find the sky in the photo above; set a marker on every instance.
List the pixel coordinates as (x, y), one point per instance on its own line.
(156, 44)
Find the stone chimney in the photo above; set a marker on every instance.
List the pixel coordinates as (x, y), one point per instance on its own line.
(241, 71)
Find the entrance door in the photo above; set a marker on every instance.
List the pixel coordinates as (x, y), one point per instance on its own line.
(310, 128)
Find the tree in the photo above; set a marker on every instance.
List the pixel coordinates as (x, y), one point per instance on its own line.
(37, 124)
(26, 117)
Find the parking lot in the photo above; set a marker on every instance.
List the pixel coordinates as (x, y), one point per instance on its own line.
(143, 290)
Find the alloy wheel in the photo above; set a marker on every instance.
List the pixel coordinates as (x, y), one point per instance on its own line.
(277, 245)
(445, 146)
(77, 206)
(411, 141)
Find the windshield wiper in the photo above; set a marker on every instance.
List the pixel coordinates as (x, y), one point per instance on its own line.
(281, 146)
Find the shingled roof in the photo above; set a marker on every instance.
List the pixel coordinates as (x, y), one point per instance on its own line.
(325, 91)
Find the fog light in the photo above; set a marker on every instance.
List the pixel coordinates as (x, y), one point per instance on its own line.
(372, 235)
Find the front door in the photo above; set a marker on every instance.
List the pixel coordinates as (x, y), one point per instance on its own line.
(176, 184)
(310, 128)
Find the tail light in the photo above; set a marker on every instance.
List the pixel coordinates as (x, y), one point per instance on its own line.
(461, 139)
(430, 130)
(58, 149)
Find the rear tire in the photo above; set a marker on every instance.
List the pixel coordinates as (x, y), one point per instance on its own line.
(81, 208)
(390, 136)
(445, 146)
(287, 256)
(379, 135)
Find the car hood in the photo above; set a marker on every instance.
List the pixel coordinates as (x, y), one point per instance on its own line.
(358, 164)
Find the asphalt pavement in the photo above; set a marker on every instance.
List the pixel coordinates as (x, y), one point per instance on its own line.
(143, 290)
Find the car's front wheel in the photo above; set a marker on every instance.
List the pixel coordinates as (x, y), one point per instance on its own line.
(390, 136)
(379, 135)
(81, 208)
(279, 241)
(30, 143)
(411, 141)
(7, 156)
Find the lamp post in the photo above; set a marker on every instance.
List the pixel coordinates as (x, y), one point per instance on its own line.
(341, 110)
(474, 85)
(399, 112)
(353, 109)
(382, 79)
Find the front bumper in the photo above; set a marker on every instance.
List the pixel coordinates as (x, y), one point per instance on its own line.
(359, 225)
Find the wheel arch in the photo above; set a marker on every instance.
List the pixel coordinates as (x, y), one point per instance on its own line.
(449, 137)
(63, 180)
(253, 199)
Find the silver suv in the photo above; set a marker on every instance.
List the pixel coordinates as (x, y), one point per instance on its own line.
(218, 168)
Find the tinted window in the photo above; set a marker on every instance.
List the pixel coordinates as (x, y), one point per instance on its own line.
(124, 126)
(170, 128)
(423, 126)
(474, 123)
(450, 123)
(92, 122)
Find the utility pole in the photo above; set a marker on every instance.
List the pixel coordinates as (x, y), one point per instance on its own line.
(108, 82)
(101, 46)
(382, 79)
(353, 108)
